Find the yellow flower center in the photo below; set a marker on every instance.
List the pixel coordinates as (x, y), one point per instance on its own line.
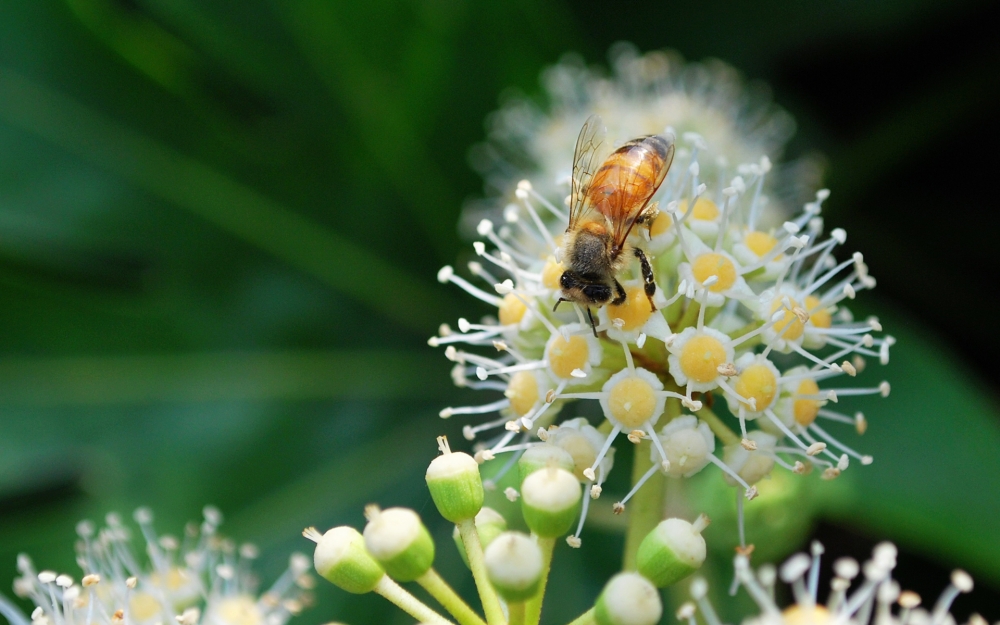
(700, 358)
(760, 243)
(239, 610)
(512, 310)
(800, 615)
(805, 410)
(704, 210)
(143, 606)
(661, 224)
(820, 317)
(789, 320)
(635, 311)
(551, 273)
(712, 264)
(581, 451)
(757, 382)
(565, 356)
(632, 402)
(522, 391)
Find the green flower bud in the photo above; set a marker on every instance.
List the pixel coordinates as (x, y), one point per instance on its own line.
(550, 501)
(489, 524)
(628, 599)
(541, 456)
(514, 566)
(455, 484)
(342, 559)
(672, 551)
(400, 542)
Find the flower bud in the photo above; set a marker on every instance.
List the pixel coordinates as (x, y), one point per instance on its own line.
(455, 484)
(628, 599)
(514, 566)
(489, 524)
(342, 559)
(672, 551)
(541, 456)
(399, 541)
(550, 501)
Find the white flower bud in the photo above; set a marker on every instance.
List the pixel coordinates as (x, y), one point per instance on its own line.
(455, 484)
(550, 500)
(514, 566)
(399, 541)
(342, 559)
(489, 524)
(672, 551)
(628, 599)
(541, 456)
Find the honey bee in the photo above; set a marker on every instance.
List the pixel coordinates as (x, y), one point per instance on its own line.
(608, 198)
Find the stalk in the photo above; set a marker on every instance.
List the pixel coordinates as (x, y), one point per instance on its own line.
(645, 509)
(533, 607)
(449, 599)
(474, 551)
(408, 603)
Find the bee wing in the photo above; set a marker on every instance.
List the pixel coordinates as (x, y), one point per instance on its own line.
(640, 192)
(586, 161)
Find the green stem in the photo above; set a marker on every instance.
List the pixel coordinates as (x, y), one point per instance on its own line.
(474, 551)
(533, 607)
(689, 318)
(587, 618)
(408, 603)
(516, 611)
(645, 510)
(448, 598)
(720, 429)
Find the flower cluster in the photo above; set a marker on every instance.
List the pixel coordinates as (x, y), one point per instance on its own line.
(746, 316)
(200, 578)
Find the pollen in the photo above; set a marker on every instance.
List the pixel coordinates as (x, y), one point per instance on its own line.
(790, 326)
(757, 382)
(512, 310)
(632, 402)
(760, 243)
(635, 311)
(805, 410)
(712, 264)
(704, 210)
(522, 391)
(551, 274)
(567, 356)
(819, 316)
(701, 357)
(805, 615)
(661, 224)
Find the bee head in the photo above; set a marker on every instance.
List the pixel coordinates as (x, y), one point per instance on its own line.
(576, 289)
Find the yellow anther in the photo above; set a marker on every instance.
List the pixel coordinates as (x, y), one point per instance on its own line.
(566, 356)
(805, 615)
(805, 410)
(512, 310)
(522, 391)
(704, 210)
(632, 402)
(700, 358)
(757, 383)
(551, 273)
(820, 316)
(712, 264)
(661, 224)
(636, 310)
(760, 243)
(790, 326)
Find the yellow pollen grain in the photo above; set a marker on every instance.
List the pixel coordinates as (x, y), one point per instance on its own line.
(582, 452)
(636, 310)
(661, 224)
(632, 402)
(760, 243)
(820, 317)
(512, 310)
(805, 410)
(700, 358)
(704, 210)
(522, 391)
(239, 610)
(757, 382)
(805, 615)
(712, 264)
(143, 606)
(551, 274)
(789, 320)
(565, 356)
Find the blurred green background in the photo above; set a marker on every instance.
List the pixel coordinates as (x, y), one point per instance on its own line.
(220, 224)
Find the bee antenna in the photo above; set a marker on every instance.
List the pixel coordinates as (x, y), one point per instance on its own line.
(561, 300)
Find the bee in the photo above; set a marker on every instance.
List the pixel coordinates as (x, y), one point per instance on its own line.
(608, 198)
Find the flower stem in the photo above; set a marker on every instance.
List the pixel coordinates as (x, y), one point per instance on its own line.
(474, 551)
(720, 429)
(408, 603)
(533, 607)
(447, 597)
(587, 618)
(645, 509)
(516, 611)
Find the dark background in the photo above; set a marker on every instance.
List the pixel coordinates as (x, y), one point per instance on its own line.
(220, 223)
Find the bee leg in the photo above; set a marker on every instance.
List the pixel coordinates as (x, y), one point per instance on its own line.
(593, 324)
(620, 295)
(649, 283)
(561, 300)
